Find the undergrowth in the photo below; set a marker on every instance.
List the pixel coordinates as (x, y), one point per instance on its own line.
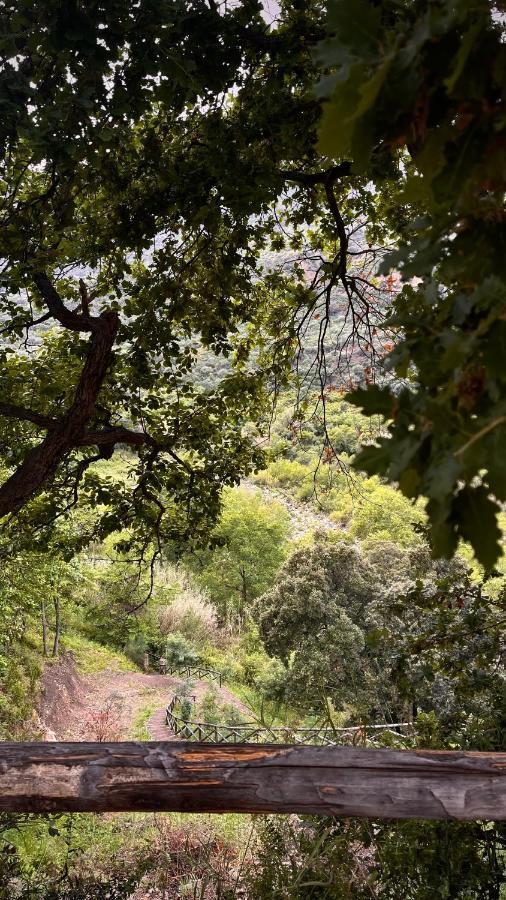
(92, 657)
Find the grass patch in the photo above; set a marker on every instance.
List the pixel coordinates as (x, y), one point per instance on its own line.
(92, 657)
(276, 715)
(140, 724)
(19, 679)
(233, 828)
(100, 846)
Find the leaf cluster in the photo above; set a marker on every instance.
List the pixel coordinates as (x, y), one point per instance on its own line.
(421, 85)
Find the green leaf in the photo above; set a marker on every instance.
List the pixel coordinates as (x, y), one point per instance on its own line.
(374, 460)
(476, 515)
(373, 400)
(464, 51)
(409, 482)
(336, 129)
(441, 478)
(444, 539)
(370, 89)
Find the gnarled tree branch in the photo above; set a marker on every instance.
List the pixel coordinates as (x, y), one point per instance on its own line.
(119, 435)
(12, 411)
(311, 179)
(66, 317)
(43, 460)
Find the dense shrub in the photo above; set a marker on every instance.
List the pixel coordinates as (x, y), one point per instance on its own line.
(309, 858)
(191, 615)
(136, 647)
(76, 857)
(179, 651)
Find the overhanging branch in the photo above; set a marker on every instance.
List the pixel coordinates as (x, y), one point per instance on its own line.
(12, 411)
(66, 317)
(43, 460)
(119, 435)
(311, 179)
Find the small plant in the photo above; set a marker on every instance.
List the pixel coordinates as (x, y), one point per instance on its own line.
(104, 724)
(185, 709)
(210, 709)
(230, 715)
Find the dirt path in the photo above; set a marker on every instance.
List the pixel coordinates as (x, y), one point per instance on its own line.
(157, 727)
(106, 705)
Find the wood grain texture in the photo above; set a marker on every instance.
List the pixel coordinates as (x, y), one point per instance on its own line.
(189, 777)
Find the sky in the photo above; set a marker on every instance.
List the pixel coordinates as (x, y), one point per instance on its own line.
(271, 9)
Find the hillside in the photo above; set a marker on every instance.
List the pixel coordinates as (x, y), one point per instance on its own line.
(110, 703)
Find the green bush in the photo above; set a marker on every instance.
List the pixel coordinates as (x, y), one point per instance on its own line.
(252, 666)
(136, 647)
(224, 661)
(179, 651)
(185, 709)
(271, 682)
(231, 715)
(209, 709)
(285, 472)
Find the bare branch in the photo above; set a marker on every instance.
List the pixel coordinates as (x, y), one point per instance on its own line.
(341, 230)
(31, 323)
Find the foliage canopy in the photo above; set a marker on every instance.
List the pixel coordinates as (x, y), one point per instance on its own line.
(418, 88)
(129, 244)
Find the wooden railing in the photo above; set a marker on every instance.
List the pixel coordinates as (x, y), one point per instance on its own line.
(195, 671)
(252, 733)
(188, 777)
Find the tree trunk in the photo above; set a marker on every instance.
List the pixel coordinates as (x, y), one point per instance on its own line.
(43, 460)
(44, 627)
(266, 778)
(57, 624)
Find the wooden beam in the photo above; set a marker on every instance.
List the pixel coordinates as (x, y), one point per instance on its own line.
(190, 777)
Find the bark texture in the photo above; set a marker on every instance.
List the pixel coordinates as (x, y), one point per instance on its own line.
(67, 432)
(342, 781)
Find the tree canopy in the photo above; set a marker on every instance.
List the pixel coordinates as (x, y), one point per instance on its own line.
(162, 193)
(313, 619)
(249, 546)
(145, 149)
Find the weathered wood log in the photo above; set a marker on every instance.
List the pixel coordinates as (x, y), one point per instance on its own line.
(189, 777)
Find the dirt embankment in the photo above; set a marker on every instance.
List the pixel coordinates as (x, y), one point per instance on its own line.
(61, 698)
(102, 706)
